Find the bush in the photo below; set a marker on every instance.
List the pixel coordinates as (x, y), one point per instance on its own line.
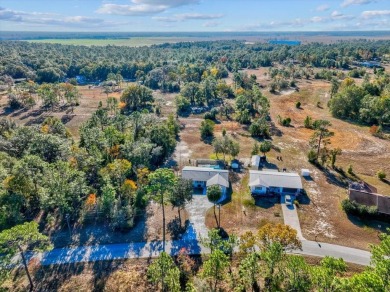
(211, 115)
(354, 208)
(308, 122)
(285, 122)
(350, 169)
(312, 156)
(206, 129)
(182, 104)
(298, 104)
(381, 174)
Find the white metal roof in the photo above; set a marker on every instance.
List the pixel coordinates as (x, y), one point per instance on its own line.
(210, 175)
(275, 179)
(255, 160)
(217, 180)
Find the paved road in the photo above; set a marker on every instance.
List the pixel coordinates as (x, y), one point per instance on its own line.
(191, 241)
(352, 255)
(152, 249)
(320, 249)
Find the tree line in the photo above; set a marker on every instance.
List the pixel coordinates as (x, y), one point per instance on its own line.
(166, 66)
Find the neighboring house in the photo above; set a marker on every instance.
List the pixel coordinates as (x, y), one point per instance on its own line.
(365, 194)
(203, 177)
(269, 182)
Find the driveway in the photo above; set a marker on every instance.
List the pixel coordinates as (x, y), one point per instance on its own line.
(290, 216)
(197, 212)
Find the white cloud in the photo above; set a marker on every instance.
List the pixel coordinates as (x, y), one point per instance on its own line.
(375, 13)
(211, 24)
(187, 16)
(37, 18)
(167, 3)
(347, 3)
(143, 7)
(323, 7)
(336, 15)
(131, 10)
(318, 19)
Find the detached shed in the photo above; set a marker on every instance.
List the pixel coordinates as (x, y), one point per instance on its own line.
(305, 172)
(255, 162)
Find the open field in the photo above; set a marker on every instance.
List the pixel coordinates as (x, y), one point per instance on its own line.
(130, 42)
(89, 102)
(136, 39)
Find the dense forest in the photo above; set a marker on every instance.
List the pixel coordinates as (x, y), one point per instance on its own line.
(186, 61)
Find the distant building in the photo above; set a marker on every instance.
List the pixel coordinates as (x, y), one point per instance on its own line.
(274, 182)
(369, 64)
(285, 42)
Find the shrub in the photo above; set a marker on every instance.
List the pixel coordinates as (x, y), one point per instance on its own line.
(296, 203)
(312, 156)
(285, 122)
(207, 129)
(182, 104)
(381, 174)
(298, 104)
(350, 169)
(308, 122)
(209, 116)
(355, 208)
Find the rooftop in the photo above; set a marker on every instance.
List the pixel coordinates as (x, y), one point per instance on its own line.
(210, 175)
(275, 179)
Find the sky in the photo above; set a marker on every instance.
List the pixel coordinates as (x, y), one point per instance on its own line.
(194, 15)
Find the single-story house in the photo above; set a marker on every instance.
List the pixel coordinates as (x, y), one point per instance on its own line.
(203, 177)
(268, 182)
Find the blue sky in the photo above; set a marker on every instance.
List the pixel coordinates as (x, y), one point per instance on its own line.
(194, 15)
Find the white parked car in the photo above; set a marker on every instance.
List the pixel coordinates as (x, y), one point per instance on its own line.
(288, 200)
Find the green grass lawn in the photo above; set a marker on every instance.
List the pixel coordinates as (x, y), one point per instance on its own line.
(131, 42)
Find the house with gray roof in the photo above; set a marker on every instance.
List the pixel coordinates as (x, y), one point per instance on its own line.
(204, 177)
(274, 182)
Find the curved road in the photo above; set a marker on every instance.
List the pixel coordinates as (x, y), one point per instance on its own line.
(191, 242)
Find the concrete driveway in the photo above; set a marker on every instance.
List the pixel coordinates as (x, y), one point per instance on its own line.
(290, 216)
